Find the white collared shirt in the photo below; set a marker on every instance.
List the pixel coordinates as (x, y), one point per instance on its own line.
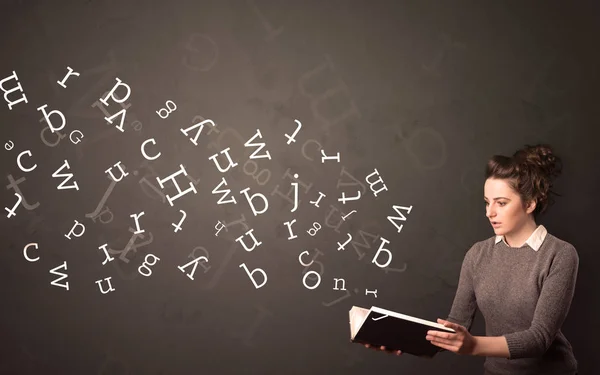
(534, 241)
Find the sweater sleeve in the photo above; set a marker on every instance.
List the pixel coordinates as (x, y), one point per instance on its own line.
(464, 306)
(551, 310)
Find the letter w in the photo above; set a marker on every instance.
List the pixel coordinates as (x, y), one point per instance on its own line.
(226, 193)
(68, 175)
(259, 145)
(399, 218)
(64, 276)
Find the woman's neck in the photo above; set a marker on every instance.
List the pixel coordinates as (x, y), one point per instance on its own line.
(518, 238)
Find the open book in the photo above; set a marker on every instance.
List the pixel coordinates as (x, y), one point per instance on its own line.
(380, 327)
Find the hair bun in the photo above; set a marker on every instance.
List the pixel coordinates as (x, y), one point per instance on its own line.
(540, 156)
(530, 172)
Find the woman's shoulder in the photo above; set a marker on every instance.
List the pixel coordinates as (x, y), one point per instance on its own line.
(485, 244)
(560, 246)
(480, 247)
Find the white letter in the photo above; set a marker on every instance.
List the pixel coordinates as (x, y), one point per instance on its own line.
(12, 212)
(343, 284)
(306, 275)
(293, 137)
(25, 252)
(300, 259)
(195, 262)
(110, 287)
(17, 88)
(69, 73)
(371, 184)
(289, 225)
(64, 276)
(76, 139)
(108, 257)
(316, 203)
(168, 110)
(343, 246)
(123, 173)
(383, 242)
(249, 199)
(47, 117)
(178, 225)
(21, 165)
(112, 91)
(137, 223)
(71, 232)
(226, 192)
(252, 278)
(343, 199)
(68, 175)
(231, 163)
(143, 148)
(256, 243)
(122, 112)
(325, 157)
(260, 147)
(401, 217)
(172, 177)
(201, 125)
(146, 264)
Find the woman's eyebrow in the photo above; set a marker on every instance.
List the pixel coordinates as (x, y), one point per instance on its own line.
(496, 198)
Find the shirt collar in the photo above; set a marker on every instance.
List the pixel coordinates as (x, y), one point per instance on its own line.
(534, 241)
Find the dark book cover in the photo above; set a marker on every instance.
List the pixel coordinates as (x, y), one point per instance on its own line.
(395, 331)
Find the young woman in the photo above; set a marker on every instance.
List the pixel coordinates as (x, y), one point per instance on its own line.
(522, 279)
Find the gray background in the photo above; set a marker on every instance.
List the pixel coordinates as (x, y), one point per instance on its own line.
(423, 91)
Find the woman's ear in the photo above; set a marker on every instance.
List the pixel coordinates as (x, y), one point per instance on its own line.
(531, 206)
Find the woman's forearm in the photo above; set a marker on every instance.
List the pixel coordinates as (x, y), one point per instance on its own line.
(491, 346)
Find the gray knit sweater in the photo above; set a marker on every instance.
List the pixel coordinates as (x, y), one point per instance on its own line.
(524, 294)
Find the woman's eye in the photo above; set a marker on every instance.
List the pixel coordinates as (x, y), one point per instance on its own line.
(501, 203)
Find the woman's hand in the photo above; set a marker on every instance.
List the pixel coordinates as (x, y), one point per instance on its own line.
(461, 342)
(383, 348)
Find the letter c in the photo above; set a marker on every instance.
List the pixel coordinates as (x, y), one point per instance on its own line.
(144, 149)
(300, 259)
(25, 252)
(21, 165)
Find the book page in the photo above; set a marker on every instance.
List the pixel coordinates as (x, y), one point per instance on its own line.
(357, 317)
(411, 318)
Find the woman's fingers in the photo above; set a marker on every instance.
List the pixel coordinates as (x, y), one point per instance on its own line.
(383, 348)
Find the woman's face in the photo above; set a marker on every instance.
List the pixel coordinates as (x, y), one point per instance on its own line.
(504, 208)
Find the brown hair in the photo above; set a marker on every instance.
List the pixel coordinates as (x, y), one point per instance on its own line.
(530, 172)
